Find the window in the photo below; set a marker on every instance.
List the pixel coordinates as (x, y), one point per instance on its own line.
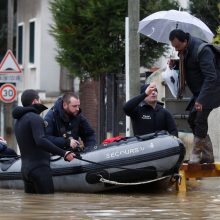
(31, 41)
(20, 43)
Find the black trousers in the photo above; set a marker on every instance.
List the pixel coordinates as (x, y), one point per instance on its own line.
(39, 181)
(9, 152)
(198, 122)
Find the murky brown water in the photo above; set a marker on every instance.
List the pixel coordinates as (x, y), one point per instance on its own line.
(202, 201)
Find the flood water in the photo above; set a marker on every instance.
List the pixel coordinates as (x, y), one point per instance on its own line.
(201, 201)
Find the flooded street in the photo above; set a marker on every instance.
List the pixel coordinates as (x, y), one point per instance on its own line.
(201, 201)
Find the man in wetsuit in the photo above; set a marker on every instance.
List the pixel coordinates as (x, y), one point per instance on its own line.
(35, 148)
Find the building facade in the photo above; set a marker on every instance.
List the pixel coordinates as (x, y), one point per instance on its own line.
(36, 48)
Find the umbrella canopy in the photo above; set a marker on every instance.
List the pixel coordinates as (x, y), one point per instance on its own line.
(159, 25)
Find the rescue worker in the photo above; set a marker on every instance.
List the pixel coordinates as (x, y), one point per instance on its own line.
(66, 125)
(35, 148)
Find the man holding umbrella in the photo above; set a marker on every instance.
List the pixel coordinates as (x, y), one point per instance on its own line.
(202, 76)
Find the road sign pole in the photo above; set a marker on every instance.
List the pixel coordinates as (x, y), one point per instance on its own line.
(2, 120)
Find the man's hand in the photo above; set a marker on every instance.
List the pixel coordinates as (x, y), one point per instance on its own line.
(171, 63)
(152, 87)
(69, 156)
(198, 107)
(74, 143)
(2, 140)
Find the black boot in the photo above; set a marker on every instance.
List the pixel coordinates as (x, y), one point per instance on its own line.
(196, 155)
(207, 151)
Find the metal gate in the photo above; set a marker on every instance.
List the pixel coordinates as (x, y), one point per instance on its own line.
(112, 122)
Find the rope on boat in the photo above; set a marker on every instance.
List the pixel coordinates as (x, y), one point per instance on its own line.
(103, 180)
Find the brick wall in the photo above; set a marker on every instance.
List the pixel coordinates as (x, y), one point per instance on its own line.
(89, 101)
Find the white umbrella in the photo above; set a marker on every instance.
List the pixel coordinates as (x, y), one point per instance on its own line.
(159, 25)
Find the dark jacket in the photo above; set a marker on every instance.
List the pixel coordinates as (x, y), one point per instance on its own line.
(60, 126)
(201, 74)
(30, 134)
(3, 147)
(145, 119)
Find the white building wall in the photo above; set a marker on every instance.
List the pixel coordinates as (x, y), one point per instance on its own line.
(50, 69)
(184, 3)
(44, 74)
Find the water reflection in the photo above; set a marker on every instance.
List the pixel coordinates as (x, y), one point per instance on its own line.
(200, 202)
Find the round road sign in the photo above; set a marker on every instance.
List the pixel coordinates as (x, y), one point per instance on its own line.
(8, 93)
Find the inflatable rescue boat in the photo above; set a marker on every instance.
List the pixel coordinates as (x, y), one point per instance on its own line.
(126, 162)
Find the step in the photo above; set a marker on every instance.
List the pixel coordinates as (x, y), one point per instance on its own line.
(169, 99)
(180, 116)
(197, 171)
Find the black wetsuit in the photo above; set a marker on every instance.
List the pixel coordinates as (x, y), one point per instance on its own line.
(35, 149)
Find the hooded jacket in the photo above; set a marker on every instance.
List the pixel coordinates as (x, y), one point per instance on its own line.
(60, 127)
(30, 134)
(146, 119)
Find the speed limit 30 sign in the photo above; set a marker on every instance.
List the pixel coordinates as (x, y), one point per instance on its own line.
(8, 93)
